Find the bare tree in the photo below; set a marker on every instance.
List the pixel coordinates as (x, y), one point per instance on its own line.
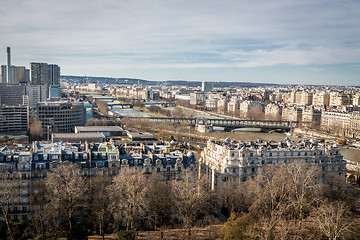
(255, 114)
(334, 188)
(159, 201)
(127, 198)
(234, 198)
(97, 122)
(8, 194)
(191, 199)
(99, 201)
(178, 112)
(269, 200)
(68, 188)
(36, 130)
(39, 204)
(102, 106)
(330, 218)
(303, 188)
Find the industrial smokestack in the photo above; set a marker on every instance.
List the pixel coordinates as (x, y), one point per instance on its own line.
(8, 77)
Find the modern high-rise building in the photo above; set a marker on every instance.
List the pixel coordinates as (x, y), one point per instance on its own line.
(53, 74)
(18, 74)
(45, 74)
(39, 73)
(12, 94)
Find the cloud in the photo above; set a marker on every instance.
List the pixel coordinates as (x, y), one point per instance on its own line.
(315, 69)
(294, 55)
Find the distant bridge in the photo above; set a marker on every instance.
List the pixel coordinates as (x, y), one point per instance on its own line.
(227, 124)
(161, 104)
(121, 105)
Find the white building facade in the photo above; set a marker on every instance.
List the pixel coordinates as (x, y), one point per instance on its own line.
(231, 161)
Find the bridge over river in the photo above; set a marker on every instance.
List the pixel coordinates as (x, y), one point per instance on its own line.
(227, 124)
(112, 105)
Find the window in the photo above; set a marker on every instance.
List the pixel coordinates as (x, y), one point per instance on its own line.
(270, 154)
(251, 154)
(168, 169)
(179, 169)
(158, 169)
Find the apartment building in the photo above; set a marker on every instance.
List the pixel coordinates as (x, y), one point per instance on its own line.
(60, 116)
(232, 161)
(14, 119)
(341, 123)
(28, 163)
(198, 98)
(321, 99)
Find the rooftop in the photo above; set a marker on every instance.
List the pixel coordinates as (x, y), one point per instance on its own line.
(98, 128)
(78, 135)
(286, 143)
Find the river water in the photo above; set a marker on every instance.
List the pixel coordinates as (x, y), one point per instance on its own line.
(129, 112)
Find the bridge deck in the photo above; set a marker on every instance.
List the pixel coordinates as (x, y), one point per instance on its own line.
(226, 123)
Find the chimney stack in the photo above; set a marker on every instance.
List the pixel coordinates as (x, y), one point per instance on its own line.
(8, 77)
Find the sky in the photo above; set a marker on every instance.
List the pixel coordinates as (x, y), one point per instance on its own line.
(270, 41)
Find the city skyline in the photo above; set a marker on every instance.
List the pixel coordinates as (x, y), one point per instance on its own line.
(272, 42)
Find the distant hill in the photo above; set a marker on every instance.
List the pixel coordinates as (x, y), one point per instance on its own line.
(109, 80)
